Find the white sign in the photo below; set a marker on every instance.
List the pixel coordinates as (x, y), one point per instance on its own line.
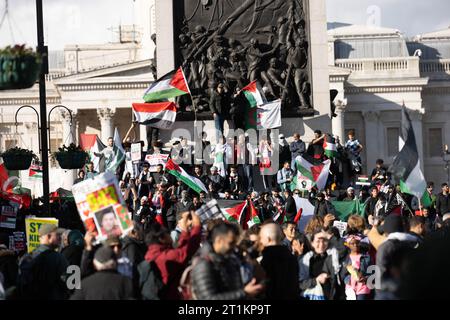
(155, 159)
(342, 226)
(136, 152)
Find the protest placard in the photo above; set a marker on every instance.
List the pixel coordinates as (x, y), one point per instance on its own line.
(155, 159)
(101, 206)
(136, 152)
(8, 216)
(341, 226)
(32, 225)
(210, 211)
(17, 241)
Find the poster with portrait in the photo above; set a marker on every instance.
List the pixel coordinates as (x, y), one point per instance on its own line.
(102, 207)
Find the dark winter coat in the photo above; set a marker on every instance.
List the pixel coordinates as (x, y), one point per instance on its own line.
(217, 277)
(281, 269)
(104, 285)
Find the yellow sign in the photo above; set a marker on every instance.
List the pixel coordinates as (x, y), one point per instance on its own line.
(32, 226)
(102, 198)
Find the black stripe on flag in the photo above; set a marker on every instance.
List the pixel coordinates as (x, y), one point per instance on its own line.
(408, 157)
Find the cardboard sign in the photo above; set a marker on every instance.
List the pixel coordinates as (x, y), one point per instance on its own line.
(32, 225)
(102, 207)
(342, 226)
(136, 152)
(155, 159)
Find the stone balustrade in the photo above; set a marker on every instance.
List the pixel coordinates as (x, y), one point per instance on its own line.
(402, 67)
(435, 69)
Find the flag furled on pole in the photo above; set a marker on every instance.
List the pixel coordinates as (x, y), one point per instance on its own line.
(329, 145)
(179, 173)
(118, 154)
(160, 115)
(171, 85)
(312, 169)
(406, 166)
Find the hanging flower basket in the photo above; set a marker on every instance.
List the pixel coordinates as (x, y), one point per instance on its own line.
(71, 157)
(17, 158)
(19, 67)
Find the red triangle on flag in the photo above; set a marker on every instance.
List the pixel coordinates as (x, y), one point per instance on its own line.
(179, 82)
(316, 171)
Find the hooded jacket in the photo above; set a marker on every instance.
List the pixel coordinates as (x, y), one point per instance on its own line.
(172, 261)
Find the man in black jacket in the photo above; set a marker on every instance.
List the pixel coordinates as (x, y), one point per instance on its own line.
(323, 207)
(219, 108)
(216, 271)
(106, 283)
(370, 203)
(280, 265)
(443, 201)
(290, 206)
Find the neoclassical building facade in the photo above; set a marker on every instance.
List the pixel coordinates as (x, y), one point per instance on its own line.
(375, 70)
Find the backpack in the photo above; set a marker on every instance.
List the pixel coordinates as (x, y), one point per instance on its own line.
(151, 284)
(185, 287)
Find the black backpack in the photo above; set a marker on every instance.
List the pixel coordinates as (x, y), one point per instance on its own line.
(150, 281)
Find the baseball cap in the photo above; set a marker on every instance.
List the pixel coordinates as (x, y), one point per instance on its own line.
(104, 254)
(49, 228)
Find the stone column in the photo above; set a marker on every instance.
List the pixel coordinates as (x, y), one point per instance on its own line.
(69, 130)
(164, 36)
(371, 146)
(106, 115)
(338, 126)
(416, 120)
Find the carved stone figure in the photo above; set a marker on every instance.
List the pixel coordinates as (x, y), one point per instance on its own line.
(238, 41)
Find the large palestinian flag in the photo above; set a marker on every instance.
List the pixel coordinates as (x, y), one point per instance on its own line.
(406, 166)
(312, 169)
(181, 175)
(160, 115)
(171, 85)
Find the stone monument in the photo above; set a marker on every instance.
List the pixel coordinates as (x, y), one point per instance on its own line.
(280, 43)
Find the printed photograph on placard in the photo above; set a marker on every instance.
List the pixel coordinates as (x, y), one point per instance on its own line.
(107, 222)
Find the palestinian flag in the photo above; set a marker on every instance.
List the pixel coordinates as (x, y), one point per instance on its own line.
(171, 85)
(252, 216)
(160, 115)
(181, 175)
(35, 171)
(254, 94)
(329, 145)
(92, 144)
(312, 169)
(235, 213)
(406, 166)
(118, 157)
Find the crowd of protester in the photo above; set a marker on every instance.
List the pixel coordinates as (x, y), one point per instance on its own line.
(170, 254)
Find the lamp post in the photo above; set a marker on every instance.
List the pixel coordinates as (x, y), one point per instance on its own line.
(43, 51)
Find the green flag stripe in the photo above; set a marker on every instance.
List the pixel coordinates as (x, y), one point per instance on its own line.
(305, 172)
(185, 180)
(164, 94)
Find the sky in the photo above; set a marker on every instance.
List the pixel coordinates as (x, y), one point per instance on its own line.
(74, 21)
